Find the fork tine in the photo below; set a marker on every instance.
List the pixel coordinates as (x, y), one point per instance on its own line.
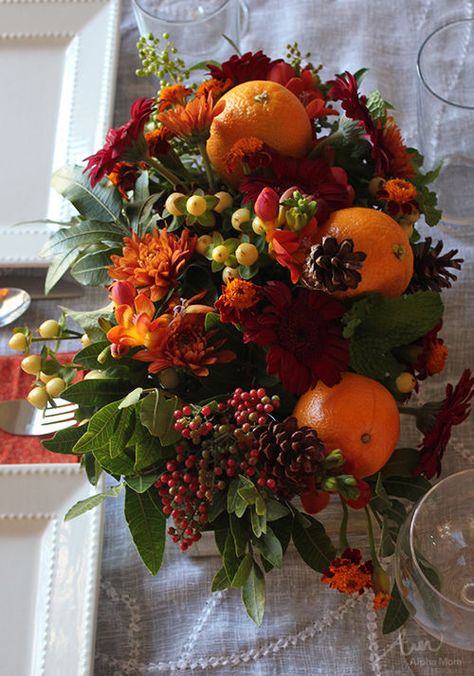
(53, 411)
(53, 420)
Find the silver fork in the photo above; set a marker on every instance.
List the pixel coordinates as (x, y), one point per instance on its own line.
(19, 417)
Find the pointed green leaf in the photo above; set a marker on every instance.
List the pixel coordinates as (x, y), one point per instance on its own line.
(156, 414)
(220, 581)
(99, 430)
(259, 523)
(217, 506)
(120, 466)
(275, 510)
(132, 398)
(243, 571)
(124, 426)
(102, 203)
(220, 536)
(93, 501)
(87, 358)
(88, 321)
(239, 530)
(230, 559)
(313, 543)
(65, 440)
(147, 526)
(270, 548)
(83, 234)
(411, 488)
(58, 268)
(140, 484)
(91, 269)
(253, 594)
(98, 392)
(396, 614)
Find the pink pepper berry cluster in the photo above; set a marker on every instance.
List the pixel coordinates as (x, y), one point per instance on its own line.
(193, 422)
(254, 406)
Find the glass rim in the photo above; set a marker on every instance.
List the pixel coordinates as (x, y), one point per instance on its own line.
(179, 22)
(419, 56)
(414, 557)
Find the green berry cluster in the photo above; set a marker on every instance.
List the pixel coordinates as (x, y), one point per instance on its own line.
(164, 63)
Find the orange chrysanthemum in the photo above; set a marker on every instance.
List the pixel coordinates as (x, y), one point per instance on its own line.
(248, 150)
(436, 358)
(158, 141)
(237, 300)
(173, 95)
(135, 325)
(192, 120)
(398, 190)
(214, 87)
(124, 176)
(184, 343)
(381, 600)
(347, 574)
(154, 262)
(399, 158)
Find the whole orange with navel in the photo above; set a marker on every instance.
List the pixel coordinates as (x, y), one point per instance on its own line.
(262, 109)
(388, 267)
(358, 415)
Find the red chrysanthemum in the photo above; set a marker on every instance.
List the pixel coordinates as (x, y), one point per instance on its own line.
(454, 409)
(121, 143)
(303, 336)
(327, 185)
(243, 68)
(124, 176)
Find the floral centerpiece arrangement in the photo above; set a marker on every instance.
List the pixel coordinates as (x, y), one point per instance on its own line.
(272, 309)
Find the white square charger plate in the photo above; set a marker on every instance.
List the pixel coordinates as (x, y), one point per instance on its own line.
(49, 571)
(57, 81)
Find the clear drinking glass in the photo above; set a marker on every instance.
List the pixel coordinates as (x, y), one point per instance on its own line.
(446, 115)
(434, 561)
(196, 28)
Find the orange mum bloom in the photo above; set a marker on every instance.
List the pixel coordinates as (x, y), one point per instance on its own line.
(381, 600)
(135, 325)
(398, 190)
(154, 262)
(347, 574)
(436, 358)
(214, 87)
(182, 342)
(194, 119)
(238, 298)
(158, 141)
(173, 95)
(249, 150)
(399, 159)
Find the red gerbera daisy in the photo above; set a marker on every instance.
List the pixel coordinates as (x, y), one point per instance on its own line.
(121, 143)
(243, 68)
(303, 336)
(454, 409)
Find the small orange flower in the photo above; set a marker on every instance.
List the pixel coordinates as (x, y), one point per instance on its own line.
(214, 87)
(192, 120)
(135, 325)
(173, 95)
(291, 248)
(158, 141)
(182, 342)
(124, 176)
(399, 159)
(347, 574)
(238, 298)
(381, 600)
(398, 190)
(436, 358)
(154, 262)
(250, 151)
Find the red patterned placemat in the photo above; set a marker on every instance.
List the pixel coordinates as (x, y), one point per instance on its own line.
(14, 384)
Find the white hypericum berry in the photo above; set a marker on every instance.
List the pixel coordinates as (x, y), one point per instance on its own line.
(203, 244)
(49, 329)
(55, 387)
(246, 253)
(95, 375)
(18, 342)
(85, 340)
(31, 364)
(225, 201)
(196, 205)
(239, 217)
(228, 274)
(220, 253)
(170, 203)
(406, 382)
(45, 378)
(38, 397)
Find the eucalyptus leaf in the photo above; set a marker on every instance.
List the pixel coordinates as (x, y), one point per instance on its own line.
(93, 501)
(58, 268)
(82, 235)
(147, 526)
(91, 268)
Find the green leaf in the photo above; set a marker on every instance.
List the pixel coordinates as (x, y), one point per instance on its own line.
(65, 440)
(282, 529)
(396, 614)
(93, 501)
(313, 543)
(87, 358)
(259, 523)
(140, 484)
(411, 488)
(121, 465)
(402, 462)
(99, 429)
(88, 321)
(132, 398)
(275, 510)
(82, 235)
(92, 468)
(387, 542)
(156, 414)
(220, 581)
(57, 268)
(91, 269)
(217, 506)
(124, 426)
(253, 594)
(232, 495)
(220, 536)
(243, 571)
(270, 548)
(230, 558)
(147, 526)
(211, 321)
(102, 203)
(148, 451)
(97, 392)
(238, 528)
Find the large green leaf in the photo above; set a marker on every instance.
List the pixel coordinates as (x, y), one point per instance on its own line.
(91, 269)
(147, 526)
(93, 501)
(313, 543)
(100, 429)
(96, 392)
(124, 427)
(243, 571)
(230, 559)
(88, 321)
(270, 548)
(253, 594)
(396, 614)
(412, 488)
(65, 440)
(102, 203)
(220, 580)
(58, 268)
(140, 484)
(82, 235)
(120, 466)
(156, 413)
(87, 358)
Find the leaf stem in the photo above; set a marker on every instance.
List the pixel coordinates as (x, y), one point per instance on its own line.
(163, 171)
(373, 549)
(343, 541)
(207, 165)
(409, 410)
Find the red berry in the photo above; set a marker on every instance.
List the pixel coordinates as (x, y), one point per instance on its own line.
(167, 509)
(261, 481)
(206, 410)
(187, 410)
(250, 471)
(271, 484)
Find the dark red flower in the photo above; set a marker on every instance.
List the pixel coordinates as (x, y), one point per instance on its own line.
(124, 176)
(454, 409)
(345, 89)
(243, 68)
(120, 142)
(432, 355)
(303, 336)
(327, 185)
(365, 494)
(348, 574)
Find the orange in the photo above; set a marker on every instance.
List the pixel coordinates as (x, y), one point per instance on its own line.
(388, 267)
(358, 415)
(262, 109)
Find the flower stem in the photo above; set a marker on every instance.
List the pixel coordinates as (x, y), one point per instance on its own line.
(343, 541)
(163, 171)
(207, 165)
(409, 410)
(373, 549)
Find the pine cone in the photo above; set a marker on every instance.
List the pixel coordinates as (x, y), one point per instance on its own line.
(289, 454)
(331, 266)
(432, 271)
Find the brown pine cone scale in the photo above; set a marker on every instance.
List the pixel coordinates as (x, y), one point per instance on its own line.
(332, 266)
